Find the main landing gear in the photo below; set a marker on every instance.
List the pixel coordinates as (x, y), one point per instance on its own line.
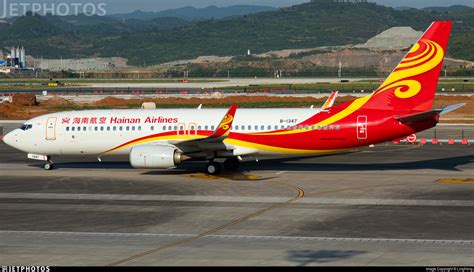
(230, 164)
(213, 168)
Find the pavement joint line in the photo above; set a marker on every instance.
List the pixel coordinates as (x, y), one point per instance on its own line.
(241, 199)
(230, 236)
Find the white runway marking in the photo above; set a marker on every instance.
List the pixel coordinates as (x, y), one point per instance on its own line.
(239, 199)
(251, 237)
(281, 172)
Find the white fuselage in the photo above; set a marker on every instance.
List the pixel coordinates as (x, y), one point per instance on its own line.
(94, 132)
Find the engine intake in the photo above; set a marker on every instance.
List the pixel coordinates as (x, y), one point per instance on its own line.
(155, 157)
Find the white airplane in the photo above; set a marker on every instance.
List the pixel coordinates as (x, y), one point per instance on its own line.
(163, 138)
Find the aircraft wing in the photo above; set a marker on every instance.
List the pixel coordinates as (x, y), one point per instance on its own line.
(330, 100)
(423, 116)
(215, 141)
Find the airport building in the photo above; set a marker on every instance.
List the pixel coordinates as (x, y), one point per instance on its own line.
(16, 58)
(15, 61)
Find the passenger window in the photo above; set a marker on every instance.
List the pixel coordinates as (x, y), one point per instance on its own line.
(101, 128)
(256, 127)
(199, 128)
(78, 128)
(262, 127)
(84, 128)
(249, 127)
(301, 127)
(175, 128)
(312, 127)
(108, 128)
(325, 127)
(331, 127)
(120, 128)
(115, 128)
(133, 128)
(206, 127)
(152, 128)
(127, 128)
(96, 128)
(73, 128)
(170, 128)
(67, 128)
(307, 127)
(319, 127)
(276, 126)
(338, 127)
(212, 127)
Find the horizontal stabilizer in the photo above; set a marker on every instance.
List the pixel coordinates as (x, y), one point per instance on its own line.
(427, 115)
(451, 108)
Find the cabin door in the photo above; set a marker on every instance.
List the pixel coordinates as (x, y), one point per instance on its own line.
(362, 127)
(51, 129)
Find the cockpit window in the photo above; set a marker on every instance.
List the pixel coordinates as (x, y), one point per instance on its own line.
(26, 127)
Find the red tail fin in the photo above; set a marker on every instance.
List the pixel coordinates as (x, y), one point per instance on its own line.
(412, 84)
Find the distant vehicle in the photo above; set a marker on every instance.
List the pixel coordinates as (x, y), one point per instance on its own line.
(184, 81)
(55, 84)
(164, 138)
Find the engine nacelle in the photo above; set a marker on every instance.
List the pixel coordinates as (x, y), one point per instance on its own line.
(148, 156)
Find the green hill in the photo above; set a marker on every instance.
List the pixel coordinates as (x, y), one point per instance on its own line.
(319, 23)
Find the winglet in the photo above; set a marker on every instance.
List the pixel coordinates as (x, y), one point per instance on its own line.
(224, 126)
(330, 100)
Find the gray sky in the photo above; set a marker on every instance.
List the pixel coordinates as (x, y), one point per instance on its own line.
(155, 5)
(120, 6)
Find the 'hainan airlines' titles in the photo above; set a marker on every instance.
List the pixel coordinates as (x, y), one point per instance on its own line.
(118, 120)
(148, 120)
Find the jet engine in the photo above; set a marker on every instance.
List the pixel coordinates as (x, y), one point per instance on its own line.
(156, 156)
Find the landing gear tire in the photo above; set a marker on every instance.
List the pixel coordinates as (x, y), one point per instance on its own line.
(231, 164)
(213, 168)
(48, 166)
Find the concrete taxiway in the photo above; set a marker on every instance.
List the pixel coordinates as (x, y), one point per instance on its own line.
(386, 205)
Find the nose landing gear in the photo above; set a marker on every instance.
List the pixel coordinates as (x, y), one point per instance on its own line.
(49, 165)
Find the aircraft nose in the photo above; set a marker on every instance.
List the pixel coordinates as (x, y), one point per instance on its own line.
(9, 139)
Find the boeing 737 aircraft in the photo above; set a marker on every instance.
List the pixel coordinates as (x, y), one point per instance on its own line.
(163, 138)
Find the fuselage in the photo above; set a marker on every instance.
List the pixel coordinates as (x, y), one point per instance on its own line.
(254, 131)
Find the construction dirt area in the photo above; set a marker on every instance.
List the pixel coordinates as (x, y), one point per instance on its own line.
(24, 107)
